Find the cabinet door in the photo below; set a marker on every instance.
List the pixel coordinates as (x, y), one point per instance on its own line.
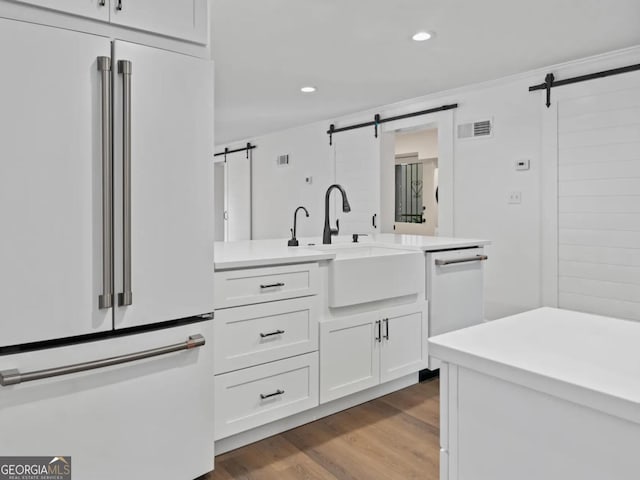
(184, 19)
(98, 9)
(171, 186)
(349, 356)
(404, 341)
(50, 183)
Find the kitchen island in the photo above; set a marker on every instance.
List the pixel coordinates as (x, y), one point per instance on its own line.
(550, 394)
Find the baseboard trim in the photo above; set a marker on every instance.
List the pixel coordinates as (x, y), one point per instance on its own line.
(259, 433)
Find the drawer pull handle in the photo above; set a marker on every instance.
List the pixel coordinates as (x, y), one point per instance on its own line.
(386, 328)
(477, 258)
(263, 396)
(271, 334)
(14, 377)
(272, 285)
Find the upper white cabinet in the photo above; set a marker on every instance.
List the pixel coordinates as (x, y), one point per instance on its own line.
(185, 19)
(181, 19)
(98, 9)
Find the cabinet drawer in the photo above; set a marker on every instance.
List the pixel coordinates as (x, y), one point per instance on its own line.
(255, 334)
(255, 396)
(255, 285)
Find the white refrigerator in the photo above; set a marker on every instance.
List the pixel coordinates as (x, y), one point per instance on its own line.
(106, 254)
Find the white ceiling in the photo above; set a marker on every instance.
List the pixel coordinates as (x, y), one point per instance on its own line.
(359, 53)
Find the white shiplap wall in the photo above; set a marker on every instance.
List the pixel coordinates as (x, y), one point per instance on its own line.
(599, 203)
(357, 167)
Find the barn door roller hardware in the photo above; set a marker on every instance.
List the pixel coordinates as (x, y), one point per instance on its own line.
(377, 121)
(226, 152)
(551, 82)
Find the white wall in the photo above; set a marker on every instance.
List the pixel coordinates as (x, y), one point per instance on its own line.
(483, 174)
(424, 142)
(278, 190)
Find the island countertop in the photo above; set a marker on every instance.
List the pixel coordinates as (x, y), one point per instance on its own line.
(587, 359)
(257, 253)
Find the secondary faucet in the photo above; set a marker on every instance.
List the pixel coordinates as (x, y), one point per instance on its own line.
(328, 231)
(294, 241)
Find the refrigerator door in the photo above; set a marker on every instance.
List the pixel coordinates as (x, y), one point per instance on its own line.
(163, 157)
(51, 253)
(146, 418)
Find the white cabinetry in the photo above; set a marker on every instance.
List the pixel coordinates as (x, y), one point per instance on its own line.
(257, 285)
(266, 359)
(182, 19)
(261, 333)
(97, 9)
(254, 396)
(363, 350)
(185, 19)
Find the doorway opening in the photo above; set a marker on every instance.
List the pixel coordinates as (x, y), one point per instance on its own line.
(416, 182)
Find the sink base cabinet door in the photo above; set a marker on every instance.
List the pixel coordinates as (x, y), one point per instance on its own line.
(349, 356)
(403, 349)
(364, 350)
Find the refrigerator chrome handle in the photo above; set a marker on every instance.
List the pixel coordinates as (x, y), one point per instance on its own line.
(105, 300)
(478, 258)
(14, 377)
(126, 297)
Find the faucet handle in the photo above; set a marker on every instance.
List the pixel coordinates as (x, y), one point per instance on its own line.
(335, 231)
(294, 241)
(355, 236)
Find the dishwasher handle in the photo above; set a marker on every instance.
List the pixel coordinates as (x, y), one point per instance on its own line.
(453, 261)
(14, 377)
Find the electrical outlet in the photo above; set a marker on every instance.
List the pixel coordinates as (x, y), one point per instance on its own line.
(515, 198)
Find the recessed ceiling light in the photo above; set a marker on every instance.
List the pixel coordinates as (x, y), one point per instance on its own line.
(308, 89)
(421, 36)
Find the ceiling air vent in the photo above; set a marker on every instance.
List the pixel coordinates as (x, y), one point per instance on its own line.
(283, 160)
(481, 128)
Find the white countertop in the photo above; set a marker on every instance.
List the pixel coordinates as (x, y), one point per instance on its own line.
(587, 359)
(257, 253)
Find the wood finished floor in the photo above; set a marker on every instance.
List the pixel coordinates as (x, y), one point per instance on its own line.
(391, 437)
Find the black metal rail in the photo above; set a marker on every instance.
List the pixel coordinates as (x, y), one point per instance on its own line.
(377, 121)
(551, 82)
(243, 149)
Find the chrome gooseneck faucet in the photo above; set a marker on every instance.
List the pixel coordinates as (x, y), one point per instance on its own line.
(294, 241)
(328, 231)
